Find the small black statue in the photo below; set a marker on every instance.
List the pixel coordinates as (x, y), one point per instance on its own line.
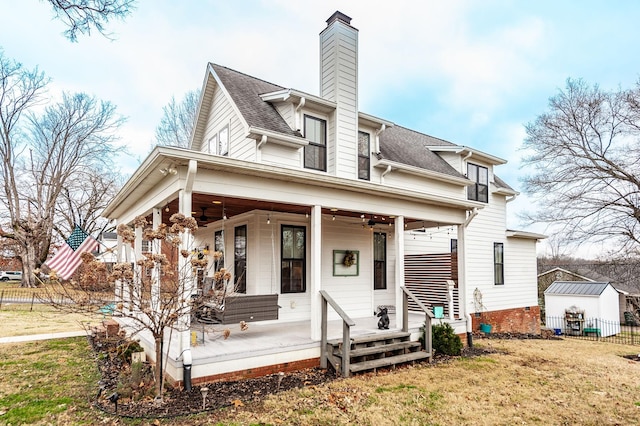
(383, 322)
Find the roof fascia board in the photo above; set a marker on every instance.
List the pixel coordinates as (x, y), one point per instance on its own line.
(163, 154)
(153, 161)
(228, 96)
(370, 120)
(278, 138)
(295, 96)
(503, 191)
(525, 235)
(458, 149)
(423, 173)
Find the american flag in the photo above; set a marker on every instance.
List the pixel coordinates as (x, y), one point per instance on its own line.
(67, 258)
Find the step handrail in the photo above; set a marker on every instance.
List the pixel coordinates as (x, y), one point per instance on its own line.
(347, 323)
(406, 295)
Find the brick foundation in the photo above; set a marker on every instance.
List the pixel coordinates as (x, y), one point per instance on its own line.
(253, 372)
(516, 320)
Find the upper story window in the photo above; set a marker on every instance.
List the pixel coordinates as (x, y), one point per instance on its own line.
(364, 153)
(479, 189)
(315, 154)
(223, 141)
(218, 143)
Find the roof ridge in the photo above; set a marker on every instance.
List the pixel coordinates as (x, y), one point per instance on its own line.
(247, 75)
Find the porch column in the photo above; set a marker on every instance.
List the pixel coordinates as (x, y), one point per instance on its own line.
(122, 293)
(399, 276)
(462, 273)
(136, 297)
(315, 276)
(156, 248)
(185, 272)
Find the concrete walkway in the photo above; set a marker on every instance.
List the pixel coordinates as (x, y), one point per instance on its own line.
(47, 336)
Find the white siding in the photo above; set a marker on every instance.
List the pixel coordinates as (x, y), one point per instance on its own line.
(222, 114)
(486, 228)
(520, 272)
(280, 155)
(339, 83)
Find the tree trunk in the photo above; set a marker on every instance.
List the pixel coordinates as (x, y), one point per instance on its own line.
(28, 262)
(158, 369)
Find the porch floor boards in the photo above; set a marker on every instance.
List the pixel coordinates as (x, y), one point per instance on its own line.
(272, 337)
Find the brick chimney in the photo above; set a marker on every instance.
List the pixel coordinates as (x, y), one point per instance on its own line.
(339, 83)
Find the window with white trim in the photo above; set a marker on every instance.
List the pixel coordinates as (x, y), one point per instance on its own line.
(293, 259)
(479, 189)
(379, 261)
(315, 154)
(364, 156)
(498, 263)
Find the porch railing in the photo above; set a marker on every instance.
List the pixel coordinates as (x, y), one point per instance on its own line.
(406, 296)
(347, 323)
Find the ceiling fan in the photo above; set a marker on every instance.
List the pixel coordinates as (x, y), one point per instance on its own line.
(203, 217)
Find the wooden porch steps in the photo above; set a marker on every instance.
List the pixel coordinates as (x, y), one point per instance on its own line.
(379, 350)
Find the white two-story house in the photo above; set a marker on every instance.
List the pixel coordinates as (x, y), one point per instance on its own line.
(288, 183)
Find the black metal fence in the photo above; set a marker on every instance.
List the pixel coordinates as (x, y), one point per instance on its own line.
(626, 333)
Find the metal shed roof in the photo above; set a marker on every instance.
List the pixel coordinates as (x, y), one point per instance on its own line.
(586, 288)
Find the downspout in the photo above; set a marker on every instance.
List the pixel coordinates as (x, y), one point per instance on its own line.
(377, 140)
(386, 172)
(263, 140)
(297, 112)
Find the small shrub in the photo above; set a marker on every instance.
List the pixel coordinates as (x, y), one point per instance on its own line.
(445, 340)
(125, 350)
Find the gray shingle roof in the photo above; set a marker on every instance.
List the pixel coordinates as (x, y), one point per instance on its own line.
(397, 143)
(245, 92)
(585, 288)
(407, 146)
(501, 184)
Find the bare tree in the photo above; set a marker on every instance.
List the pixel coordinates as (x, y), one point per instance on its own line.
(43, 155)
(80, 16)
(585, 153)
(177, 121)
(152, 296)
(84, 197)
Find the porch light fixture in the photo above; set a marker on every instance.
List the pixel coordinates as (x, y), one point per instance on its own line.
(204, 391)
(224, 214)
(269, 220)
(333, 217)
(168, 171)
(362, 217)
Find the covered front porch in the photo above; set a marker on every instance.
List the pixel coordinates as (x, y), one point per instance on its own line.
(264, 348)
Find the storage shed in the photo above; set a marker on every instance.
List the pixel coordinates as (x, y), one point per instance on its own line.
(583, 308)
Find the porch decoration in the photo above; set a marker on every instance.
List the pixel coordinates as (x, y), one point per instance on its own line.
(349, 259)
(344, 262)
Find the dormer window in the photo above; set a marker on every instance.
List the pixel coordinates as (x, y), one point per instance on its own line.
(479, 189)
(315, 154)
(364, 156)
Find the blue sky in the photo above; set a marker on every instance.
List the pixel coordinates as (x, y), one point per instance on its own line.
(471, 72)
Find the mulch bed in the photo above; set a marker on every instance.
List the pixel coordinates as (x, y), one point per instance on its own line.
(178, 402)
